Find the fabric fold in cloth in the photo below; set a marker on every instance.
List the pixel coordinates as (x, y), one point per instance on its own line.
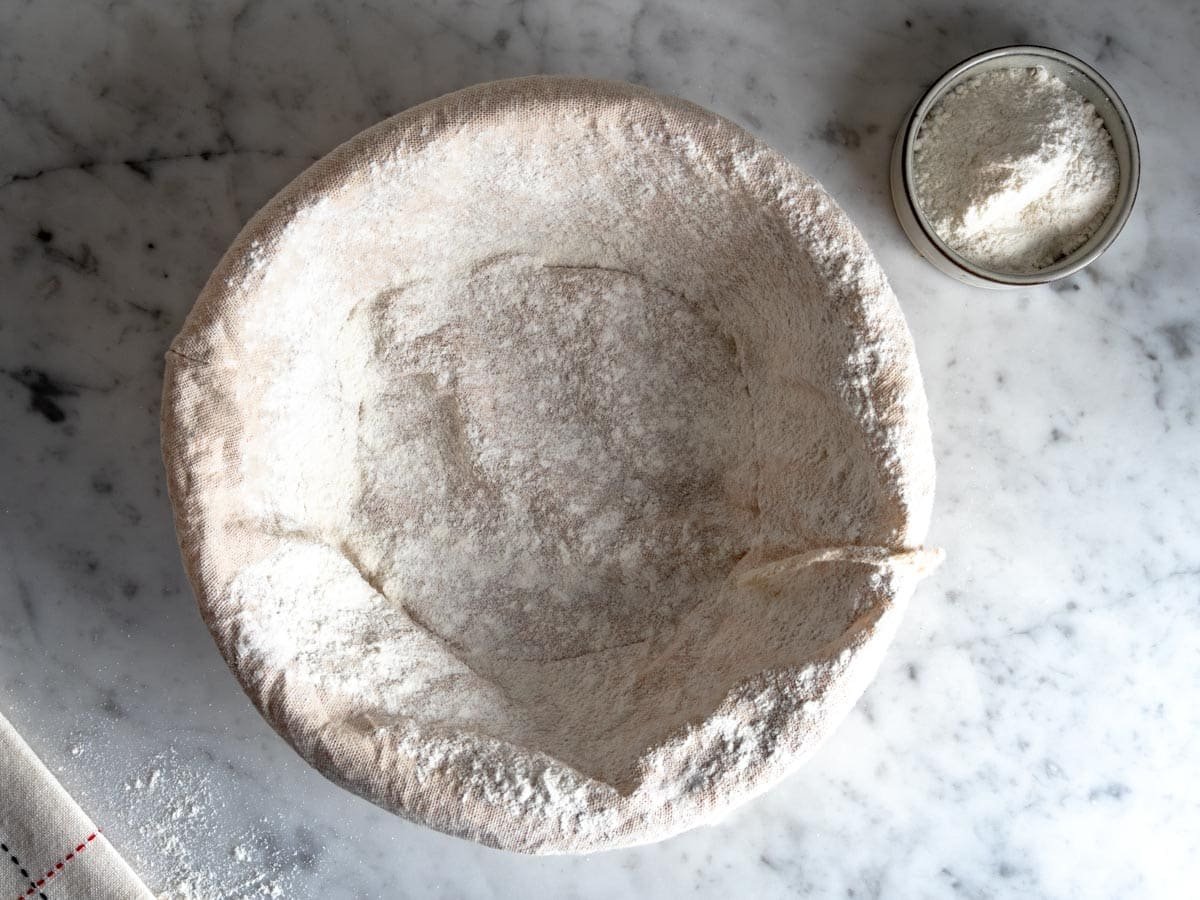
(52, 850)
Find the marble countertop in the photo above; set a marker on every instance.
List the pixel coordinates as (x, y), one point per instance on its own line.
(1033, 731)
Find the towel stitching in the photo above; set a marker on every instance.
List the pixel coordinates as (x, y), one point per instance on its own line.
(24, 872)
(58, 867)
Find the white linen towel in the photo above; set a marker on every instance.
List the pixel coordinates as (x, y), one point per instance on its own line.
(51, 849)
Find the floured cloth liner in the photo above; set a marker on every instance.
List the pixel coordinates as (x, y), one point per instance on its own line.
(551, 463)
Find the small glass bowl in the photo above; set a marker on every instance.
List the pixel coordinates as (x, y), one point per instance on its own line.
(1079, 76)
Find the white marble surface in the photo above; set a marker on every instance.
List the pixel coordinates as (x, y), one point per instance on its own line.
(1034, 730)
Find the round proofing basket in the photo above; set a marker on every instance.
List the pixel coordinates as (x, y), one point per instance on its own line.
(551, 464)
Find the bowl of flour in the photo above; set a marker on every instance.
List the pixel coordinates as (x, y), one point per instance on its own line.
(1019, 166)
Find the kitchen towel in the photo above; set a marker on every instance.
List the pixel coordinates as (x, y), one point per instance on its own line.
(52, 850)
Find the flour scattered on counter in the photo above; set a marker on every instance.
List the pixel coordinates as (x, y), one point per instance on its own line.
(181, 852)
(1015, 170)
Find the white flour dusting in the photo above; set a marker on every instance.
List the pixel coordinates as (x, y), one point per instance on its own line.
(178, 847)
(1014, 169)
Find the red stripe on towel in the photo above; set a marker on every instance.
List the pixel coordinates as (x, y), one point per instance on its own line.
(59, 865)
